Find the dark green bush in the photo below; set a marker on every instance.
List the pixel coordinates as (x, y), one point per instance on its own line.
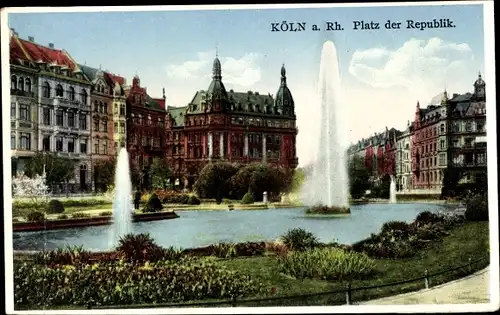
(63, 256)
(250, 248)
(153, 204)
(428, 217)
(139, 248)
(193, 200)
(35, 216)
(62, 216)
(299, 239)
(400, 226)
(55, 206)
(106, 213)
(80, 215)
(477, 208)
(247, 199)
(222, 250)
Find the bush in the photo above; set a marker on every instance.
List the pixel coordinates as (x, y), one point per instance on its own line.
(55, 206)
(477, 208)
(247, 199)
(326, 264)
(119, 283)
(400, 227)
(106, 213)
(63, 256)
(153, 205)
(426, 217)
(222, 250)
(323, 209)
(62, 216)
(138, 248)
(299, 239)
(250, 248)
(35, 216)
(193, 200)
(80, 215)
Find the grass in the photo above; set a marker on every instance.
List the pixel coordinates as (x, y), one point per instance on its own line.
(470, 240)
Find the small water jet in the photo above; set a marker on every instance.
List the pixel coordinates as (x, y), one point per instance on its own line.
(122, 199)
(328, 185)
(392, 190)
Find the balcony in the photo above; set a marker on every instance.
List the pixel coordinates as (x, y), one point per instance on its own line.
(71, 155)
(21, 93)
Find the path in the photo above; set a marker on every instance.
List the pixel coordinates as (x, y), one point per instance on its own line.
(471, 289)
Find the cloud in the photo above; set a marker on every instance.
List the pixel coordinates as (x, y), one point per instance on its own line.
(243, 72)
(419, 66)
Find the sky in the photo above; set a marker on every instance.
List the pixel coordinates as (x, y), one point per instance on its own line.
(383, 72)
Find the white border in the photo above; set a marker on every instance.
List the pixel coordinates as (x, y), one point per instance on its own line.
(489, 75)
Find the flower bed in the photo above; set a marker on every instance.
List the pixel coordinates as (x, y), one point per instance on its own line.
(323, 209)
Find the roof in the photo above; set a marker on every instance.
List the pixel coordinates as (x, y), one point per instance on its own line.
(16, 51)
(160, 102)
(153, 103)
(461, 98)
(36, 52)
(177, 114)
(112, 79)
(240, 100)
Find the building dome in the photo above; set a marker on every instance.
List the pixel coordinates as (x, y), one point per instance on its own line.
(284, 96)
(479, 81)
(216, 89)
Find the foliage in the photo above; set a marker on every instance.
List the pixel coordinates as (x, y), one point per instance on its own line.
(153, 204)
(250, 248)
(58, 169)
(257, 178)
(359, 177)
(214, 180)
(104, 171)
(35, 216)
(137, 248)
(67, 203)
(477, 208)
(62, 216)
(299, 239)
(63, 256)
(123, 283)
(55, 206)
(193, 200)
(247, 199)
(34, 188)
(172, 196)
(298, 179)
(79, 215)
(223, 250)
(400, 226)
(382, 190)
(326, 264)
(323, 209)
(160, 173)
(426, 217)
(106, 213)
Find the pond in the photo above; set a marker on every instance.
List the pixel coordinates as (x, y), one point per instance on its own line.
(204, 227)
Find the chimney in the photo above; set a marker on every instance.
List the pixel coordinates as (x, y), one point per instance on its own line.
(51, 45)
(31, 39)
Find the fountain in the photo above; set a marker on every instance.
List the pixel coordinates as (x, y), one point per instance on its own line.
(329, 182)
(392, 190)
(122, 200)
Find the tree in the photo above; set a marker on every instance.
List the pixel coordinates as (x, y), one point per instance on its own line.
(215, 180)
(297, 180)
(104, 172)
(57, 169)
(160, 173)
(34, 188)
(359, 177)
(451, 177)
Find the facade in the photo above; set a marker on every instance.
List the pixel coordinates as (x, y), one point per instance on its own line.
(403, 160)
(243, 127)
(61, 117)
(145, 129)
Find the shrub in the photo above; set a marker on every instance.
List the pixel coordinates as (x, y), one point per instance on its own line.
(55, 206)
(106, 213)
(63, 256)
(120, 283)
(427, 217)
(35, 216)
(323, 209)
(153, 205)
(193, 200)
(138, 248)
(79, 215)
(400, 227)
(326, 264)
(299, 239)
(62, 216)
(222, 250)
(247, 199)
(476, 208)
(250, 248)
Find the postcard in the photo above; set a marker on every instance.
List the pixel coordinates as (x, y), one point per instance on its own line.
(284, 158)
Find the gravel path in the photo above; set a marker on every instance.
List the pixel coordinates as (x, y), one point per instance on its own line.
(468, 290)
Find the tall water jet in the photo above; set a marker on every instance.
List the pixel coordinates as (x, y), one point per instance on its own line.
(328, 185)
(122, 200)
(392, 190)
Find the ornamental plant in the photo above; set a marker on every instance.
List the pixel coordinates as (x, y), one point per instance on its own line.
(34, 188)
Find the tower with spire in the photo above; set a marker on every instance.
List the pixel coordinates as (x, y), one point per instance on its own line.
(284, 103)
(480, 88)
(216, 93)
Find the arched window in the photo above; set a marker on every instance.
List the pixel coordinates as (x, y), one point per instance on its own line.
(101, 107)
(46, 89)
(105, 108)
(96, 106)
(20, 84)
(149, 120)
(13, 83)
(84, 97)
(28, 85)
(71, 92)
(59, 91)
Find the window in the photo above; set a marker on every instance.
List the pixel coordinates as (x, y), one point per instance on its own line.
(104, 146)
(59, 144)
(96, 125)
(71, 145)
(46, 116)
(12, 142)
(116, 109)
(105, 108)
(83, 146)
(468, 126)
(480, 126)
(160, 123)
(156, 142)
(96, 147)
(101, 107)
(122, 127)
(24, 112)
(104, 126)
(143, 141)
(20, 84)
(59, 117)
(456, 143)
(456, 127)
(122, 110)
(71, 119)
(83, 121)
(13, 83)
(435, 161)
(59, 91)
(149, 120)
(96, 106)
(442, 144)
(442, 128)
(84, 97)
(442, 159)
(46, 89)
(71, 92)
(13, 110)
(25, 141)
(116, 128)
(46, 143)
(28, 85)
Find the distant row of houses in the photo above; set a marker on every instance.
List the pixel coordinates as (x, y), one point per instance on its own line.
(451, 134)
